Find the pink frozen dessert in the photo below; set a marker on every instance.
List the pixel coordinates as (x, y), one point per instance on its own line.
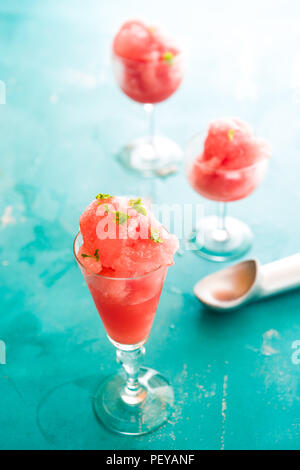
(123, 241)
(232, 164)
(148, 65)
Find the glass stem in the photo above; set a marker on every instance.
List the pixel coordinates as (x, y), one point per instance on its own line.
(133, 393)
(149, 108)
(222, 210)
(220, 234)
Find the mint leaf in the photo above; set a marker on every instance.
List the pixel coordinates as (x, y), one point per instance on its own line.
(140, 210)
(231, 134)
(155, 236)
(137, 204)
(168, 57)
(121, 217)
(96, 255)
(102, 196)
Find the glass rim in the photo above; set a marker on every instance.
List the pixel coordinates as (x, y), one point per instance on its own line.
(218, 170)
(108, 277)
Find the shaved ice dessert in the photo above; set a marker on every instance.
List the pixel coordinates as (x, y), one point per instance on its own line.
(124, 257)
(232, 164)
(148, 64)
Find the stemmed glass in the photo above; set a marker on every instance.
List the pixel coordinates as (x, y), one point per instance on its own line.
(139, 399)
(219, 237)
(150, 82)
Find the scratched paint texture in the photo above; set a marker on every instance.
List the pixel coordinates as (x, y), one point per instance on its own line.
(63, 121)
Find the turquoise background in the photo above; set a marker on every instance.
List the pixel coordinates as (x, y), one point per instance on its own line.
(63, 122)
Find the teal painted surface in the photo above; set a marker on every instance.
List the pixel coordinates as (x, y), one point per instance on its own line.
(63, 121)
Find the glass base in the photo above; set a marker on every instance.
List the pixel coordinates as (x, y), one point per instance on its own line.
(159, 157)
(215, 244)
(154, 408)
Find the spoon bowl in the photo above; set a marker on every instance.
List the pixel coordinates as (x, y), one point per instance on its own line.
(230, 287)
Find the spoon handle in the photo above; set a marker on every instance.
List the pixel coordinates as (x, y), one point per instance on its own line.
(280, 276)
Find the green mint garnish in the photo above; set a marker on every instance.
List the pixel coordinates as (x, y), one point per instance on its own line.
(138, 206)
(155, 236)
(96, 255)
(121, 217)
(231, 134)
(103, 196)
(168, 57)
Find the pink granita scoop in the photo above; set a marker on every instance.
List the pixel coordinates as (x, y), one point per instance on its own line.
(232, 163)
(231, 145)
(138, 41)
(121, 238)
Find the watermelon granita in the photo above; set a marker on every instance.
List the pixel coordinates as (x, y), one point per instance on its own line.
(232, 163)
(124, 257)
(148, 65)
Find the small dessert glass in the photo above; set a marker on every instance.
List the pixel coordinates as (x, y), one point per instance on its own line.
(138, 399)
(219, 237)
(150, 82)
